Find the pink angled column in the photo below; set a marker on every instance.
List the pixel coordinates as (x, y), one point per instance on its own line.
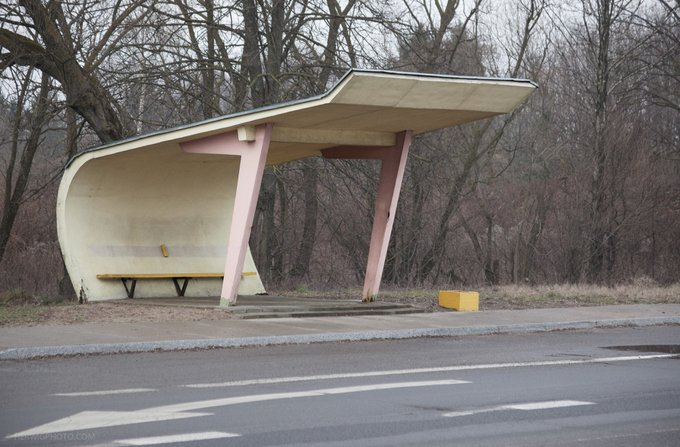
(253, 151)
(391, 176)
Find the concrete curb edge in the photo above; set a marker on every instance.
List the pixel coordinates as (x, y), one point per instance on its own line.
(241, 342)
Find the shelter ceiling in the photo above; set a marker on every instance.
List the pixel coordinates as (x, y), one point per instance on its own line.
(366, 108)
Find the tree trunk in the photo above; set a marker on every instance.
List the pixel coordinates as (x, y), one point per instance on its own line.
(13, 197)
(252, 63)
(304, 255)
(57, 58)
(209, 102)
(600, 233)
(310, 176)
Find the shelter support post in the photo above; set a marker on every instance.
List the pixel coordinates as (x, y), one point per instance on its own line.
(252, 146)
(391, 175)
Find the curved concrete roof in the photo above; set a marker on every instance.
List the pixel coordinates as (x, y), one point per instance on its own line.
(119, 203)
(366, 107)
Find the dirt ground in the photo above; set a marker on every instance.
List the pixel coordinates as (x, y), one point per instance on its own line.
(102, 312)
(20, 309)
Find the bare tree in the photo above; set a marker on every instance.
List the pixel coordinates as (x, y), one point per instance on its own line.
(662, 54)
(40, 35)
(477, 144)
(34, 121)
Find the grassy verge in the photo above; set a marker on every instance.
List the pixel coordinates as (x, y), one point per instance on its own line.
(567, 295)
(520, 297)
(18, 308)
(22, 315)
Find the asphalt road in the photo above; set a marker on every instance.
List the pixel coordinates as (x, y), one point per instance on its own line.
(560, 388)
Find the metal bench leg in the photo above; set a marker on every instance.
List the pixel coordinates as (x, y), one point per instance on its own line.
(183, 289)
(130, 291)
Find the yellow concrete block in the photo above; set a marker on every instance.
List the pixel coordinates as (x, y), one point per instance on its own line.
(459, 300)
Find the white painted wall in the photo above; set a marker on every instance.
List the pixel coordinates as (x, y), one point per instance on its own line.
(116, 209)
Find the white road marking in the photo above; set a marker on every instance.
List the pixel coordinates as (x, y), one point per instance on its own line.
(395, 372)
(171, 439)
(547, 405)
(97, 419)
(106, 392)
(529, 406)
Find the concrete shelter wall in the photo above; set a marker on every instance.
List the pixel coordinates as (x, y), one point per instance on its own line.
(117, 209)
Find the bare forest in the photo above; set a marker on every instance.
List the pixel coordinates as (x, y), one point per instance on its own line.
(580, 185)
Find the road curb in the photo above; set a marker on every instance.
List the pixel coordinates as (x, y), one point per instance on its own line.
(241, 342)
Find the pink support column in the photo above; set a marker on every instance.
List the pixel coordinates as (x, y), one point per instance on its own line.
(253, 157)
(391, 176)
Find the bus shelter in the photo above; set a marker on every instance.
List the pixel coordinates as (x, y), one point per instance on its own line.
(173, 210)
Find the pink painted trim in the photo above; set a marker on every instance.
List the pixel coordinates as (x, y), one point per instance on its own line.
(391, 176)
(253, 158)
(221, 144)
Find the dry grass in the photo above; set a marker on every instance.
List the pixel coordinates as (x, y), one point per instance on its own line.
(20, 309)
(522, 296)
(567, 295)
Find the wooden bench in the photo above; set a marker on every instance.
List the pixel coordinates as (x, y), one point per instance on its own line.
(176, 278)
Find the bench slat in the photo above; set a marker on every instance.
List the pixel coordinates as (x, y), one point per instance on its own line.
(165, 275)
(181, 289)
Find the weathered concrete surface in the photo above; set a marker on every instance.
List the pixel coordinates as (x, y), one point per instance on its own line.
(37, 341)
